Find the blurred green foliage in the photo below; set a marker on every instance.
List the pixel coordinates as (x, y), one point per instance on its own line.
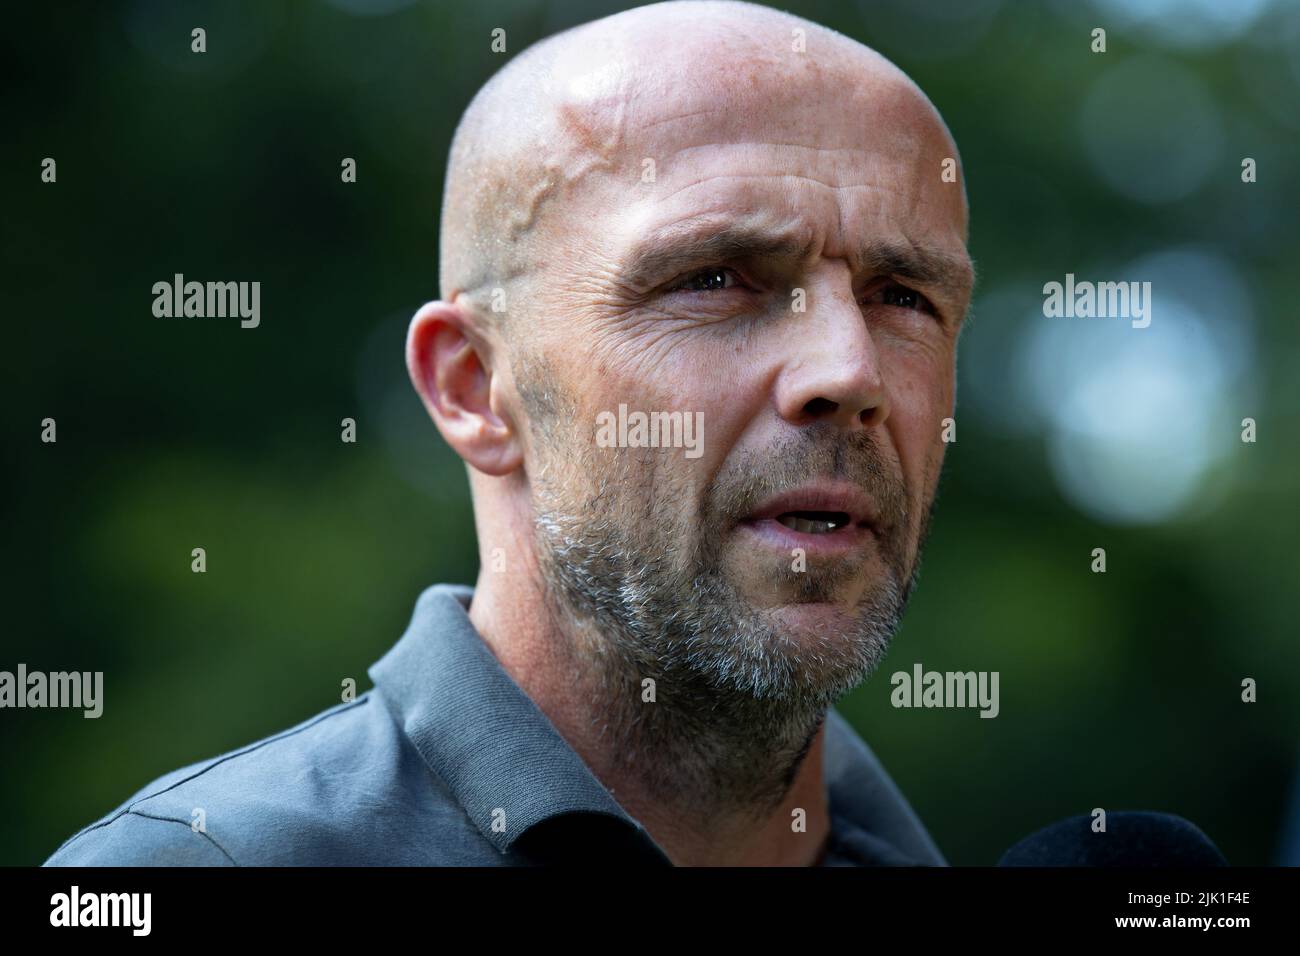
(1118, 690)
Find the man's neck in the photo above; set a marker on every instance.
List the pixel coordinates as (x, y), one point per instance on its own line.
(670, 768)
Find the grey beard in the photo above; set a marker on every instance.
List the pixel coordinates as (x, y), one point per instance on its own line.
(736, 704)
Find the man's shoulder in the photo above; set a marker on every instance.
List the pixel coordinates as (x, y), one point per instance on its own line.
(343, 787)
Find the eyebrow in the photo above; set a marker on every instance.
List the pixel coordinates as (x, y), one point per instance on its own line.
(664, 256)
(920, 263)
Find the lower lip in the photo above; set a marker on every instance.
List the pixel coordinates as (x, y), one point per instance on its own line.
(845, 540)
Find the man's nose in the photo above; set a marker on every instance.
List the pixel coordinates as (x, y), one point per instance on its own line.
(832, 372)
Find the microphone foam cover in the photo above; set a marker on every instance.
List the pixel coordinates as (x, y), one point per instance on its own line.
(1131, 838)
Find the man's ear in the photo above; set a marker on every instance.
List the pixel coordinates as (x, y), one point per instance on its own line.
(454, 377)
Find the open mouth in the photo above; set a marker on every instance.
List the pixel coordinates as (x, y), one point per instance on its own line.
(840, 515)
(814, 522)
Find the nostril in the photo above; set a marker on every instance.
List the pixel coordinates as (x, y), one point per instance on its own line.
(819, 407)
(872, 416)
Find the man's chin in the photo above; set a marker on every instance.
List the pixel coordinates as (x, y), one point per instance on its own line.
(827, 636)
(837, 622)
(821, 649)
(816, 621)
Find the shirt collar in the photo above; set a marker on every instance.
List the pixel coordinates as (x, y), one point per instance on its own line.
(483, 736)
(497, 752)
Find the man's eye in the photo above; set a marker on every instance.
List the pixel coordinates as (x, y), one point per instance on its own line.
(715, 278)
(902, 297)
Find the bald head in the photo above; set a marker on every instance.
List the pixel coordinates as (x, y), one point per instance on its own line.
(572, 133)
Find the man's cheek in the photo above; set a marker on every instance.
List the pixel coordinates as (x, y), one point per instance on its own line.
(915, 417)
(918, 429)
(921, 397)
(644, 348)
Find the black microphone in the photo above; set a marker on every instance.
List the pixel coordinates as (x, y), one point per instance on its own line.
(1131, 838)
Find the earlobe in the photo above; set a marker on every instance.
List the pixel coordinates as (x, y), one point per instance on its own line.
(453, 376)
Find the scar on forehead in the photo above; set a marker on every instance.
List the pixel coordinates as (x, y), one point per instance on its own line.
(589, 139)
(594, 112)
(544, 186)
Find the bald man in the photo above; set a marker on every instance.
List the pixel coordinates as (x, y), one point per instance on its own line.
(702, 279)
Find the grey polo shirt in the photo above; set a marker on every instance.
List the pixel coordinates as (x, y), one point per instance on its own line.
(445, 762)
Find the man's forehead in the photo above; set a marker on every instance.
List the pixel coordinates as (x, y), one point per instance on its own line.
(632, 133)
(835, 189)
(617, 127)
(651, 101)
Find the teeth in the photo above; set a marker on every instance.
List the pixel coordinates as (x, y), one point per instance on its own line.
(807, 527)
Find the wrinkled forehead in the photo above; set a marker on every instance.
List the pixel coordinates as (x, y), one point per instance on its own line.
(623, 93)
(835, 135)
